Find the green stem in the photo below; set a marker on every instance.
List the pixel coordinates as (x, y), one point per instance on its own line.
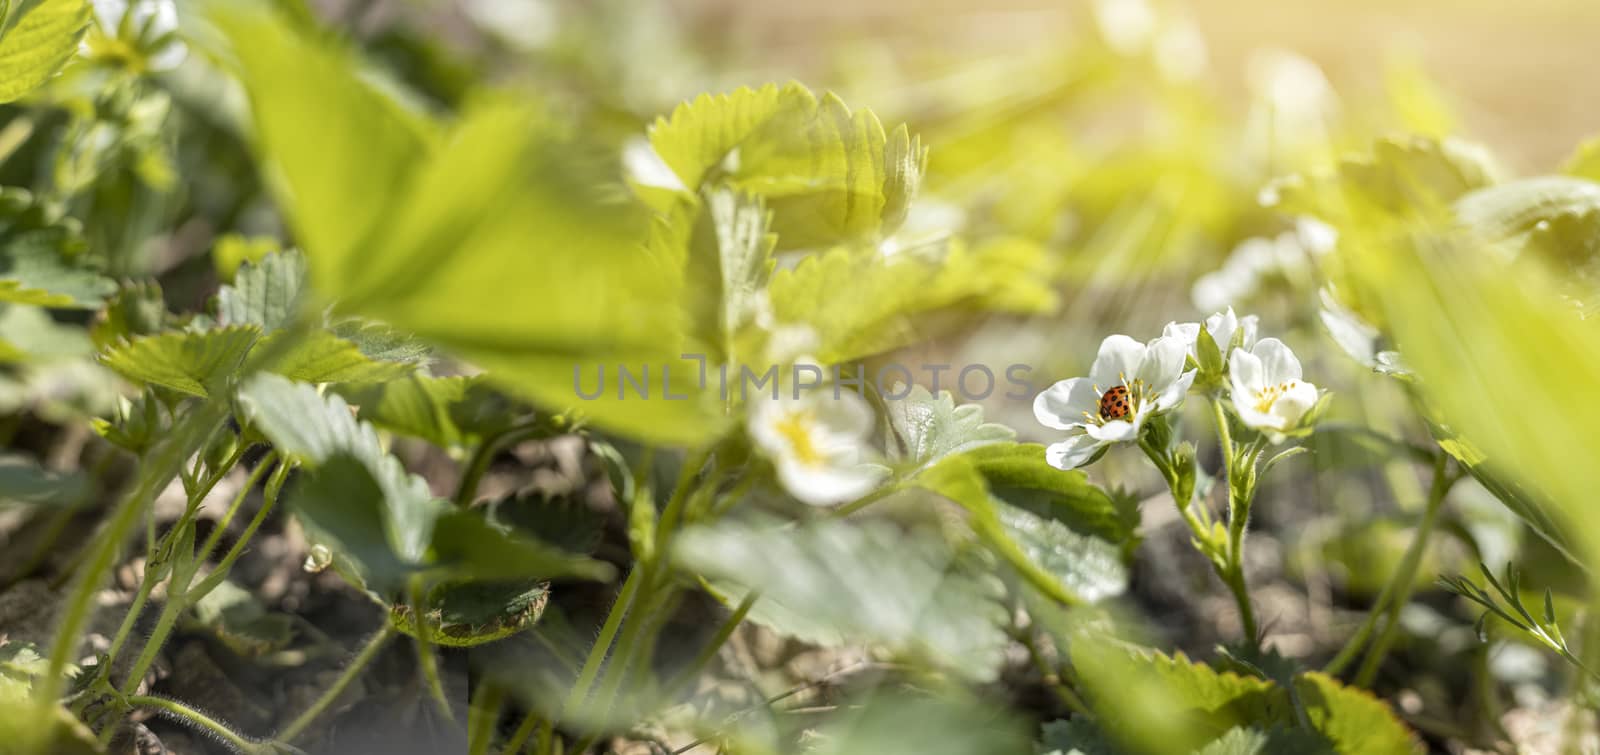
(1239, 501)
(1404, 580)
(427, 660)
(1352, 647)
(268, 500)
(484, 455)
(519, 738)
(686, 676)
(177, 710)
(156, 473)
(233, 508)
(147, 585)
(602, 643)
(482, 714)
(673, 513)
(331, 695)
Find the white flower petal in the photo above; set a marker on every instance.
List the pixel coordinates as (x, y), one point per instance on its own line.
(1162, 363)
(1278, 362)
(828, 485)
(1294, 403)
(1062, 406)
(1172, 397)
(1073, 452)
(1119, 357)
(1117, 430)
(1244, 405)
(1187, 331)
(1222, 326)
(1245, 374)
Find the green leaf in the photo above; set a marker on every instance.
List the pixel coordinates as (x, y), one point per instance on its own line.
(1068, 566)
(29, 728)
(362, 500)
(1412, 177)
(475, 613)
(828, 175)
(240, 622)
(861, 302)
(1352, 719)
(268, 293)
(38, 338)
(728, 262)
(929, 428)
(888, 725)
(20, 662)
(566, 522)
(446, 411)
(343, 506)
(697, 137)
(460, 204)
(322, 357)
(39, 43)
(187, 362)
(136, 309)
(467, 546)
(1507, 333)
(1075, 736)
(1249, 741)
(1585, 160)
(36, 266)
(1019, 474)
(23, 481)
(849, 582)
(342, 148)
(305, 425)
(1153, 702)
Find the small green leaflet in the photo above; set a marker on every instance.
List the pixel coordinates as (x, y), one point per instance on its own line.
(828, 175)
(268, 293)
(40, 37)
(1146, 699)
(191, 363)
(929, 428)
(361, 499)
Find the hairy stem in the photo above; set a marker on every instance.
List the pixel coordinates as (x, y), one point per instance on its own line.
(331, 695)
(427, 660)
(602, 643)
(156, 472)
(269, 499)
(689, 672)
(484, 454)
(1239, 501)
(178, 711)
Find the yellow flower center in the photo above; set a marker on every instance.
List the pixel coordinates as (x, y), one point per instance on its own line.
(795, 427)
(1269, 396)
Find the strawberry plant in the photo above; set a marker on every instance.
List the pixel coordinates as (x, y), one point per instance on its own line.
(366, 392)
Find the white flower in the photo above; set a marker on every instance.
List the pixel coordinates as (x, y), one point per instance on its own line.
(1251, 262)
(150, 26)
(818, 443)
(1222, 326)
(1128, 383)
(1267, 391)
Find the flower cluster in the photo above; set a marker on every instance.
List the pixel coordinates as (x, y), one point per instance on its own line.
(1132, 384)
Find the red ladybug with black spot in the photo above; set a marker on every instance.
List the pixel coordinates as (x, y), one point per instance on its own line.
(1114, 403)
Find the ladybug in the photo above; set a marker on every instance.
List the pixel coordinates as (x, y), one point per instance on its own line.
(1114, 403)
